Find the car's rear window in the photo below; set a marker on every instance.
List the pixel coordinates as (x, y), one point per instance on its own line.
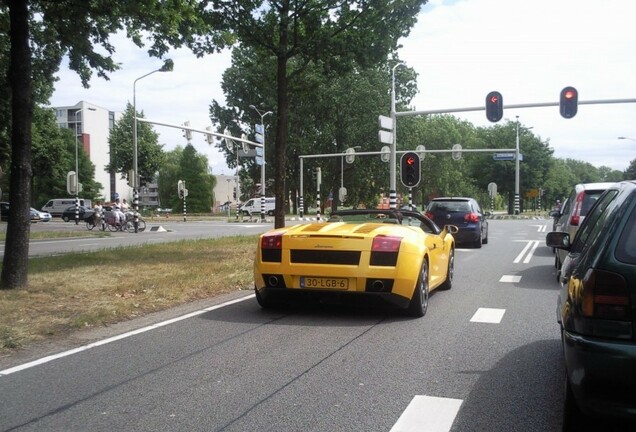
(450, 206)
(626, 250)
(589, 199)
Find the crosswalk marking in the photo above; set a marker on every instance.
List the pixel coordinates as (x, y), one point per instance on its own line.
(510, 279)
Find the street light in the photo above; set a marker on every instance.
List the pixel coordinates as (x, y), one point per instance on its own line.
(627, 138)
(77, 161)
(168, 65)
(263, 167)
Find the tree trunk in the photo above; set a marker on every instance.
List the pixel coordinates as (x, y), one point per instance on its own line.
(282, 118)
(16, 257)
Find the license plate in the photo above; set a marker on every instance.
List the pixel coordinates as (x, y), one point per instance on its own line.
(324, 283)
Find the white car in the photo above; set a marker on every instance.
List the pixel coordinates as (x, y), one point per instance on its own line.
(44, 216)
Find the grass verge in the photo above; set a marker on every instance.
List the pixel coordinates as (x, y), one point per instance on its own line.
(83, 290)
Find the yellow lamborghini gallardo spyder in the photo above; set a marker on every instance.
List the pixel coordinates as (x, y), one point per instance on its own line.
(399, 256)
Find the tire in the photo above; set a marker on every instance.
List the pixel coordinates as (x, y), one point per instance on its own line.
(113, 227)
(270, 213)
(262, 301)
(485, 240)
(478, 243)
(65, 218)
(90, 226)
(573, 418)
(130, 227)
(450, 272)
(419, 302)
(141, 226)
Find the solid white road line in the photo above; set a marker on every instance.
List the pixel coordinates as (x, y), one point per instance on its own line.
(119, 337)
(488, 315)
(428, 414)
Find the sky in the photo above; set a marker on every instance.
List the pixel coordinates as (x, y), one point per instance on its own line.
(461, 50)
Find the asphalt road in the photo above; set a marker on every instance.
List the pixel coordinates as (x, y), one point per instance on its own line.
(486, 357)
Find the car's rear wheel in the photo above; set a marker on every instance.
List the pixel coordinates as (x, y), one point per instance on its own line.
(263, 301)
(66, 218)
(419, 301)
(478, 242)
(573, 418)
(448, 283)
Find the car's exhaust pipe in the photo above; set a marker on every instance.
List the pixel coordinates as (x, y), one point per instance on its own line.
(377, 286)
(273, 281)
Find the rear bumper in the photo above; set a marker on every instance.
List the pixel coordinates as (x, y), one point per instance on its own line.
(297, 294)
(602, 374)
(466, 235)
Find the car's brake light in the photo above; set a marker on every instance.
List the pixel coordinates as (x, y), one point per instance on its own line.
(429, 215)
(575, 219)
(471, 217)
(606, 296)
(272, 241)
(384, 243)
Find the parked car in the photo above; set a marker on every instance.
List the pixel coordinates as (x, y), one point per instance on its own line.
(69, 213)
(34, 215)
(380, 254)
(463, 212)
(573, 212)
(44, 216)
(596, 310)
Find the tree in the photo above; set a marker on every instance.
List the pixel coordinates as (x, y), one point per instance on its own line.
(630, 172)
(41, 32)
(338, 35)
(150, 154)
(193, 170)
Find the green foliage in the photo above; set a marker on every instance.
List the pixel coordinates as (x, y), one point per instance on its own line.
(630, 172)
(149, 152)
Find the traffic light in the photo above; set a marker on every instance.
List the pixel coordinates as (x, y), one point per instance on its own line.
(568, 102)
(410, 171)
(494, 106)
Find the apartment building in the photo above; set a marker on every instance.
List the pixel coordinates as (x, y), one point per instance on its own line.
(92, 124)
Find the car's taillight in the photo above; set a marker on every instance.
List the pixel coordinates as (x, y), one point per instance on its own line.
(272, 247)
(384, 243)
(575, 219)
(605, 296)
(429, 215)
(385, 250)
(272, 241)
(471, 217)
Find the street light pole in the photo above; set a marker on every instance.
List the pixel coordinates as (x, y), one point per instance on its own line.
(517, 170)
(392, 160)
(168, 65)
(77, 161)
(627, 138)
(263, 166)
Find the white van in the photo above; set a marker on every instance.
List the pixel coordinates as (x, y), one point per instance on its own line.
(253, 206)
(57, 206)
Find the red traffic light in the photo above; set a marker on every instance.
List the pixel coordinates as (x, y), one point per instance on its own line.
(494, 106)
(410, 160)
(568, 102)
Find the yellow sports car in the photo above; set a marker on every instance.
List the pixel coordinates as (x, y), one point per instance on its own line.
(398, 256)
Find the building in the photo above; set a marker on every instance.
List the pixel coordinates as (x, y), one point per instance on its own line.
(224, 192)
(91, 125)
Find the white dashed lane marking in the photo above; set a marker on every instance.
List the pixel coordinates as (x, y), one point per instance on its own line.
(428, 414)
(510, 279)
(488, 315)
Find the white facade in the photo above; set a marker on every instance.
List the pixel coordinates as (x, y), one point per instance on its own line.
(92, 125)
(224, 192)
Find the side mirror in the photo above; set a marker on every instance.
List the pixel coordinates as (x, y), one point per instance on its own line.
(559, 240)
(451, 229)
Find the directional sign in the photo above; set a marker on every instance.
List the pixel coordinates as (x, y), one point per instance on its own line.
(248, 153)
(259, 128)
(259, 151)
(492, 189)
(503, 156)
(259, 160)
